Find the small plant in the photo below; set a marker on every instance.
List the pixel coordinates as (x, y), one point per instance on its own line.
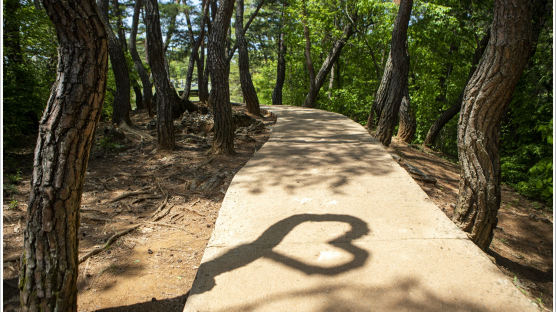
(15, 178)
(9, 189)
(13, 204)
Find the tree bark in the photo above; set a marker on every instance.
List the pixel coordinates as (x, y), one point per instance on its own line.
(331, 58)
(232, 50)
(281, 63)
(165, 93)
(485, 98)
(141, 70)
(448, 114)
(389, 100)
(138, 96)
(219, 72)
(408, 124)
(119, 24)
(48, 275)
(202, 75)
(196, 43)
(247, 87)
(122, 104)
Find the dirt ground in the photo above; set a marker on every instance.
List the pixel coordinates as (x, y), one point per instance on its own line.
(522, 244)
(174, 199)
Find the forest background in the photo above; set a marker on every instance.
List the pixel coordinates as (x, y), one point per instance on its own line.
(442, 39)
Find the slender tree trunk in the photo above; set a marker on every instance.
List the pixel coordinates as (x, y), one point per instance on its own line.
(232, 50)
(408, 124)
(138, 96)
(331, 58)
(165, 93)
(378, 103)
(48, 275)
(194, 57)
(141, 70)
(389, 100)
(219, 70)
(202, 79)
(485, 99)
(122, 104)
(281, 64)
(331, 81)
(119, 24)
(448, 114)
(308, 60)
(247, 88)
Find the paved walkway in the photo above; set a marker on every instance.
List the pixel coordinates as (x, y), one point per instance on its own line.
(323, 219)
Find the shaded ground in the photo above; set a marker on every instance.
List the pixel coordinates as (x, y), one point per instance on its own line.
(522, 244)
(173, 196)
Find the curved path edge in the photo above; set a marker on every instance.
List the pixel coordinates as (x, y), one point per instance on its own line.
(323, 219)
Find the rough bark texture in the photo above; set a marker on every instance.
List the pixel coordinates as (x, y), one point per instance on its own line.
(281, 64)
(381, 95)
(165, 93)
(141, 70)
(486, 96)
(390, 95)
(448, 114)
(247, 87)
(408, 124)
(48, 275)
(122, 104)
(331, 58)
(219, 70)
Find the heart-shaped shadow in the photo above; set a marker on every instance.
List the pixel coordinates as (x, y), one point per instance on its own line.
(263, 245)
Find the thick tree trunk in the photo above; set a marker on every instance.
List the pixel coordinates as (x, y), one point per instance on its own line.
(281, 64)
(122, 104)
(390, 95)
(408, 124)
(219, 72)
(141, 70)
(448, 114)
(48, 275)
(165, 93)
(485, 99)
(247, 87)
(331, 58)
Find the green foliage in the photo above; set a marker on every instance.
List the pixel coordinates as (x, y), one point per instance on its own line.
(13, 204)
(29, 71)
(15, 178)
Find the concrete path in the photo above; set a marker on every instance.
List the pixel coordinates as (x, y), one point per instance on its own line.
(323, 219)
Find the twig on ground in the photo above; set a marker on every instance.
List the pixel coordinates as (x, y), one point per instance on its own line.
(160, 207)
(112, 239)
(165, 224)
(128, 194)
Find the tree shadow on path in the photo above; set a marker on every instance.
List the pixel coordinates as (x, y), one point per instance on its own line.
(262, 248)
